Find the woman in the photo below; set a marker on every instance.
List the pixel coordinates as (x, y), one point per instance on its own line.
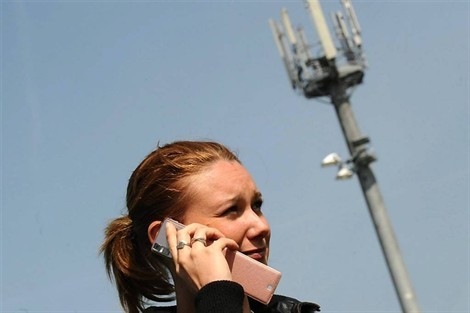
(204, 186)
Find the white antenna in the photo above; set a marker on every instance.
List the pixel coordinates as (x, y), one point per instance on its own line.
(285, 56)
(343, 35)
(299, 51)
(322, 29)
(288, 26)
(305, 56)
(352, 14)
(303, 43)
(355, 27)
(342, 26)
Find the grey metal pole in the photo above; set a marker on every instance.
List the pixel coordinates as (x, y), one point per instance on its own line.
(332, 80)
(373, 197)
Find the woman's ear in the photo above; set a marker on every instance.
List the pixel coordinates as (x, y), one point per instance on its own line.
(153, 229)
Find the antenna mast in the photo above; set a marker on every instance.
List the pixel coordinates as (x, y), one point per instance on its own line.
(332, 74)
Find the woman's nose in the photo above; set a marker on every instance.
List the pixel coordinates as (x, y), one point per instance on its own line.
(259, 226)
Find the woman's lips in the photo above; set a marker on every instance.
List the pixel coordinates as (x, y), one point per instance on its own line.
(256, 254)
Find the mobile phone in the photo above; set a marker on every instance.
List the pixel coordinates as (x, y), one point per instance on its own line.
(258, 280)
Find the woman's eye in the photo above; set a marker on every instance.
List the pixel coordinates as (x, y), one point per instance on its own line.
(257, 205)
(231, 210)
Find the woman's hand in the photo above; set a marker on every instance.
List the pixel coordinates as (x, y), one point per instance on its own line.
(201, 261)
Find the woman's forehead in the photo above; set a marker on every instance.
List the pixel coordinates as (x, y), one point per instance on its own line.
(223, 177)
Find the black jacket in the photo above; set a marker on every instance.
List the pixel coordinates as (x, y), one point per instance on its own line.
(282, 304)
(227, 297)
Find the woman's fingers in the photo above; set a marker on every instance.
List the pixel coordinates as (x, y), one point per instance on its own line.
(196, 233)
(171, 238)
(198, 253)
(195, 230)
(223, 243)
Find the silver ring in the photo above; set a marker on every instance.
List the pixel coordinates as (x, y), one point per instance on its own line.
(200, 239)
(181, 244)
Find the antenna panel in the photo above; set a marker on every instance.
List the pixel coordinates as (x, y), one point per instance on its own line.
(288, 26)
(283, 52)
(342, 25)
(322, 28)
(352, 14)
(304, 43)
(353, 21)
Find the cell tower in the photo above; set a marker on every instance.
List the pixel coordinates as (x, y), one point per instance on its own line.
(332, 74)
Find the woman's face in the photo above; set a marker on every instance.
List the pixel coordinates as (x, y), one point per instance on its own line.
(225, 197)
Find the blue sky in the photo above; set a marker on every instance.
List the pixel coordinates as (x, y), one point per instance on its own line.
(88, 88)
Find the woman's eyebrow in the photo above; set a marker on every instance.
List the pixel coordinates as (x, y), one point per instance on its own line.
(256, 195)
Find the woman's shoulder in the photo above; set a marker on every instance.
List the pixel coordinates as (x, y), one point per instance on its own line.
(283, 304)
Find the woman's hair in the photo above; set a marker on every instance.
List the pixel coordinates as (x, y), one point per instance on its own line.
(157, 189)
